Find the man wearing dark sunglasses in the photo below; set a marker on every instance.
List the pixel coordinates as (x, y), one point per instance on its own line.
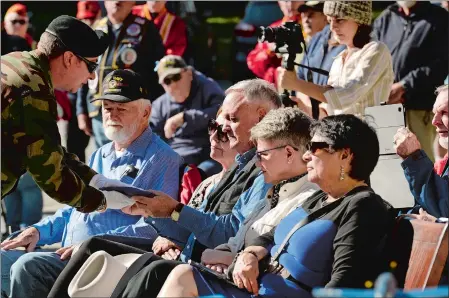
(181, 115)
(30, 139)
(16, 22)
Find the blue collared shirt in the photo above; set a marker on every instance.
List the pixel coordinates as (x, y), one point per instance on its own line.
(212, 230)
(158, 169)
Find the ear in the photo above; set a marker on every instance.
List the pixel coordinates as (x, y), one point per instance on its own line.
(67, 59)
(261, 111)
(346, 156)
(147, 112)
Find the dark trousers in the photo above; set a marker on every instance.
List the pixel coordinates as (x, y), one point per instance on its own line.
(77, 140)
(114, 245)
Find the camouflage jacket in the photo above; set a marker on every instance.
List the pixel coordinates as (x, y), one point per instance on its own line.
(30, 137)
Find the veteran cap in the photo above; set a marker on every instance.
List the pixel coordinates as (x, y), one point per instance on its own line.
(78, 37)
(122, 85)
(170, 64)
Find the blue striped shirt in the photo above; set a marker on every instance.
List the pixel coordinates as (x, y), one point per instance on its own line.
(158, 169)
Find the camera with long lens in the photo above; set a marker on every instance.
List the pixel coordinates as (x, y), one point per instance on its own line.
(289, 39)
(289, 34)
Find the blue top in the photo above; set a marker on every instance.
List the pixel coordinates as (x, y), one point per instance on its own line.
(319, 55)
(158, 168)
(430, 190)
(340, 249)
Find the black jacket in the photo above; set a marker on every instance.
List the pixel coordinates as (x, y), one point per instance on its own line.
(419, 47)
(13, 43)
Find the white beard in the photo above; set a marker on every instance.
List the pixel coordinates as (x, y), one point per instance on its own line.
(120, 135)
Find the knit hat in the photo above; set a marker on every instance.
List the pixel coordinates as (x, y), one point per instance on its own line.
(358, 11)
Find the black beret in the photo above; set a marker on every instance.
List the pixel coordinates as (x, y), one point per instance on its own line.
(123, 85)
(78, 37)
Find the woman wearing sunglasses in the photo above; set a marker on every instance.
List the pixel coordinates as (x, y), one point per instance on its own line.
(221, 152)
(334, 239)
(361, 76)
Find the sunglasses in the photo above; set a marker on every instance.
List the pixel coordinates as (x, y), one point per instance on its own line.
(21, 22)
(171, 78)
(91, 66)
(260, 153)
(213, 127)
(313, 147)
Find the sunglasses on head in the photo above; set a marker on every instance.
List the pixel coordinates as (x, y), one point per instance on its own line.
(21, 22)
(171, 78)
(314, 146)
(213, 127)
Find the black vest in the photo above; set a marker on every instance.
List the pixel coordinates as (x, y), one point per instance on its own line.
(226, 194)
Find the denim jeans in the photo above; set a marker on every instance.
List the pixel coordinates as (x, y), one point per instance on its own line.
(29, 274)
(24, 205)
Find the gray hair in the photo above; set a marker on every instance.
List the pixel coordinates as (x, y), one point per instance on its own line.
(50, 46)
(288, 125)
(441, 89)
(257, 90)
(144, 103)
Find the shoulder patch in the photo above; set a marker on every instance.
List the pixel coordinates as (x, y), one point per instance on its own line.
(140, 20)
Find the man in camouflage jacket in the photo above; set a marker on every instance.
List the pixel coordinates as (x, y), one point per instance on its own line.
(30, 137)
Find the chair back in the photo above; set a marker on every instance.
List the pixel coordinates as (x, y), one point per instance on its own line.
(420, 252)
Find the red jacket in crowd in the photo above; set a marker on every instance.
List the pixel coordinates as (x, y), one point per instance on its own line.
(262, 61)
(172, 29)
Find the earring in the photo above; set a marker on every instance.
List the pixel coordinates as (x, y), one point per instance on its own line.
(342, 173)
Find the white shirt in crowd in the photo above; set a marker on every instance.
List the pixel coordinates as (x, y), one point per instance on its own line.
(363, 80)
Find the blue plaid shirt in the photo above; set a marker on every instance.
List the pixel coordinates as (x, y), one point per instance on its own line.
(158, 169)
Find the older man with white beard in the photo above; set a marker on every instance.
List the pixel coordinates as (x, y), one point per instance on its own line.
(136, 156)
(428, 183)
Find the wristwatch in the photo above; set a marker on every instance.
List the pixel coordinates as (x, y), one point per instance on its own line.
(177, 212)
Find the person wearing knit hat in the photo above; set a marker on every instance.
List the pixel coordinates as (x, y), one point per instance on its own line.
(361, 75)
(16, 22)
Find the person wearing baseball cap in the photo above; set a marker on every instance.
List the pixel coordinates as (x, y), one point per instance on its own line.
(361, 75)
(88, 11)
(313, 19)
(17, 21)
(61, 61)
(135, 159)
(182, 114)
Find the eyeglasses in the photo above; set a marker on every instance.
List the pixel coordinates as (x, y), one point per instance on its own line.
(213, 127)
(314, 146)
(260, 153)
(21, 22)
(171, 78)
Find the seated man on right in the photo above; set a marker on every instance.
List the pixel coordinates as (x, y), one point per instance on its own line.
(180, 116)
(429, 183)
